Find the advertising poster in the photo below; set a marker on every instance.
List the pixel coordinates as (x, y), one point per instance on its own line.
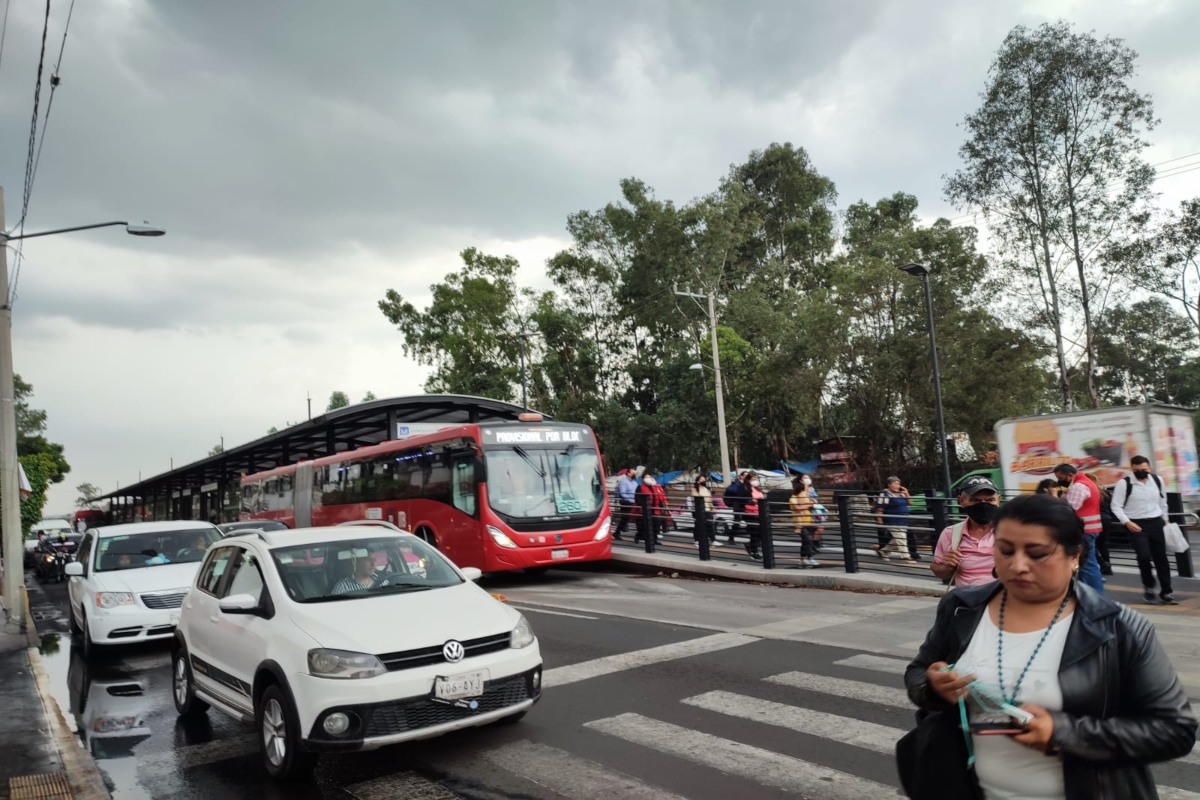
(1098, 444)
(1175, 453)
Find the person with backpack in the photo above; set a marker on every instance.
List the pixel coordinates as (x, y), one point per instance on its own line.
(964, 553)
(1140, 504)
(735, 498)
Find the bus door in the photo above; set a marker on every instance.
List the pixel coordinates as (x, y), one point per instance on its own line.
(465, 533)
(302, 492)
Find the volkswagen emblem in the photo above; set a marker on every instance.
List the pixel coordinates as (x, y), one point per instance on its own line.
(453, 651)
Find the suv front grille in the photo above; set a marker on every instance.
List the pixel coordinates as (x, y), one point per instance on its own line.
(424, 656)
(425, 713)
(161, 601)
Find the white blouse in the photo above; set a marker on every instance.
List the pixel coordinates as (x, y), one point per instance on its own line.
(1007, 770)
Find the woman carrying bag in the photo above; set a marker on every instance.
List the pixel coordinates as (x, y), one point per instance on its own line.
(1037, 687)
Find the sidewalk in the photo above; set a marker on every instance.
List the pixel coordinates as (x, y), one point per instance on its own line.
(41, 757)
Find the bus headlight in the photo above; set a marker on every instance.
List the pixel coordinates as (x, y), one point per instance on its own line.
(522, 635)
(602, 534)
(499, 537)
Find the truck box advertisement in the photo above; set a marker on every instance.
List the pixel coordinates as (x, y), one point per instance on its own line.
(1100, 443)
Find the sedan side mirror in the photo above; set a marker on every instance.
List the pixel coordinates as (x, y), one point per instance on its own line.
(472, 573)
(74, 569)
(239, 604)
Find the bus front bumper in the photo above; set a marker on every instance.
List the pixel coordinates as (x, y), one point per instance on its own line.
(550, 555)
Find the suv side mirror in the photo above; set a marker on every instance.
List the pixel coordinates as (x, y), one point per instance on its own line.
(74, 569)
(239, 604)
(472, 573)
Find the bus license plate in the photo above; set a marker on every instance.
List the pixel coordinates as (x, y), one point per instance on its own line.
(468, 684)
(559, 555)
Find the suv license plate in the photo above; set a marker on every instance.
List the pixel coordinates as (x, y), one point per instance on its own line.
(559, 555)
(468, 684)
(173, 619)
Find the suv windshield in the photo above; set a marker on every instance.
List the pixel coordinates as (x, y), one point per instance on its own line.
(544, 483)
(348, 569)
(138, 550)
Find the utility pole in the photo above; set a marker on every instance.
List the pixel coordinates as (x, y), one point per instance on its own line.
(10, 488)
(309, 396)
(726, 473)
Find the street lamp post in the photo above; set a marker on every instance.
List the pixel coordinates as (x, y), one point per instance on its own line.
(531, 330)
(722, 436)
(921, 271)
(10, 498)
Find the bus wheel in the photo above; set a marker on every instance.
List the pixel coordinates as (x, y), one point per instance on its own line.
(428, 536)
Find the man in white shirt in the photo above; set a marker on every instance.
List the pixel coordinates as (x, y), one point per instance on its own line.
(1140, 504)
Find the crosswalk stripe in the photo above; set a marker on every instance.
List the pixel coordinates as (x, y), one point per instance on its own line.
(892, 666)
(753, 763)
(835, 727)
(1171, 793)
(841, 687)
(570, 775)
(571, 673)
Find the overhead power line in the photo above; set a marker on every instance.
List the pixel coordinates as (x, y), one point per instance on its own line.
(33, 125)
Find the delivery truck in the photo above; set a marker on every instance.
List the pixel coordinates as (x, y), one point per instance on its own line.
(1099, 442)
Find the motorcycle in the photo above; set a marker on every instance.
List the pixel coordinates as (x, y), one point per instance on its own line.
(61, 559)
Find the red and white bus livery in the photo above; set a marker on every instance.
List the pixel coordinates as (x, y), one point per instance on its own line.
(497, 496)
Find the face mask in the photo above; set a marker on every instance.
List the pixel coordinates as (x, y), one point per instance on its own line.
(754, 483)
(649, 481)
(980, 513)
(1141, 474)
(806, 481)
(1064, 482)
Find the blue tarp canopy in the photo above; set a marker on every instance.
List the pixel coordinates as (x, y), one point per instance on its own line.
(808, 467)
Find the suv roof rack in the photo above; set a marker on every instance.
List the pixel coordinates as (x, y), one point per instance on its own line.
(372, 523)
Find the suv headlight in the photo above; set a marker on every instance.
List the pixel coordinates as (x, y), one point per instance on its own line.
(602, 534)
(324, 663)
(113, 599)
(522, 635)
(500, 538)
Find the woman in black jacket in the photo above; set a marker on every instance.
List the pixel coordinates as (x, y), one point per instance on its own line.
(1104, 698)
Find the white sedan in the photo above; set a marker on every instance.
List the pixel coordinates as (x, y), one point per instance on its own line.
(329, 640)
(128, 581)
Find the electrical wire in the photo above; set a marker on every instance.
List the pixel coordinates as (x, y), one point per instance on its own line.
(37, 96)
(54, 81)
(4, 30)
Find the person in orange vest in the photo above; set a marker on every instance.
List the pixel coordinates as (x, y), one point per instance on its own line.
(1083, 495)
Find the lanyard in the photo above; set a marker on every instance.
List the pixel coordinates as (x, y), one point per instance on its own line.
(1012, 699)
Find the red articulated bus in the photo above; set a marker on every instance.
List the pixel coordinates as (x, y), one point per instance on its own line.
(497, 496)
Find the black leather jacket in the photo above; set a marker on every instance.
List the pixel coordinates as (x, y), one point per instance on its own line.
(1123, 705)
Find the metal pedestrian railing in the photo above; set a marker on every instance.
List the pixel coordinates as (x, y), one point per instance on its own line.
(850, 537)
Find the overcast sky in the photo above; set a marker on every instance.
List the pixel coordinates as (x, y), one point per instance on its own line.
(306, 156)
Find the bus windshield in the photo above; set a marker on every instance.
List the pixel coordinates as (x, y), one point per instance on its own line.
(539, 483)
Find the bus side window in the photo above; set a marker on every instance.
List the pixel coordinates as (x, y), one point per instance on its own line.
(463, 483)
(286, 482)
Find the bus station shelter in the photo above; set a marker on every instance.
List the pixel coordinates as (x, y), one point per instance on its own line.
(208, 489)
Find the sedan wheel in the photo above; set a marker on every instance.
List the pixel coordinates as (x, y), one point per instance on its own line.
(183, 691)
(274, 733)
(282, 755)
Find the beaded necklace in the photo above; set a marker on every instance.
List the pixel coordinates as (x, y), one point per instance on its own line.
(1000, 649)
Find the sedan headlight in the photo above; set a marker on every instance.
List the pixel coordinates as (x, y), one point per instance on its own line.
(602, 534)
(522, 635)
(500, 538)
(343, 664)
(113, 599)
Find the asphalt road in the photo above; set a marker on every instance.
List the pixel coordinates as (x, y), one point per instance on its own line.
(632, 708)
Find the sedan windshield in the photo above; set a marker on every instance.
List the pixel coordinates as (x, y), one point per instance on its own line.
(544, 483)
(348, 569)
(138, 550)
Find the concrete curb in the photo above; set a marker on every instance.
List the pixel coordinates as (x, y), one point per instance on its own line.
(83, 774)
(817, 579)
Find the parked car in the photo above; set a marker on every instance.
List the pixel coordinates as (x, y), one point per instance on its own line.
(328, 641)
(128, 581)
(234, 528)
(53, 554)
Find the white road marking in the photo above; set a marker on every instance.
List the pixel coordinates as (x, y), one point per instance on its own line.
(407, 785)
(555, 613)
(1171, 793)
(836, 728)
(1192, 757)
(569, 775)
(197, 755)
(752, 763)
(892, 666)
(572, 673)
(841, 687)
(786, 628)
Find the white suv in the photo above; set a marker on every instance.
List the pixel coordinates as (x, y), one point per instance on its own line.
(128, 581)
(330, 640)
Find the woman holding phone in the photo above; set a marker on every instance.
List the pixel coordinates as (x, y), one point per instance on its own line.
(1060, 692)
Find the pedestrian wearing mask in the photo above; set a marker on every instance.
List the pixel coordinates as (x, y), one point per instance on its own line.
(1140, 504)
(1102, 699)
(700, 489)
(753, 495)
(735, 498)
(817, 509)
(893, 510)
(1084, 496)
(1049, 486)
(963, 556)
(801, 504)
(626, 491)
(655, 498)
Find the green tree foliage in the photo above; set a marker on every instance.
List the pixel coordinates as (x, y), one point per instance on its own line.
(337, 400)
(31, 427)
(368, 397)
(40, 469)
(1052, 158)
(216, 450)
(88, 493)
(1147, 352)
(1166, 262)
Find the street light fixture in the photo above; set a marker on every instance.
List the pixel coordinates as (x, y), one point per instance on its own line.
(921, 271)
(530, 330)
(10, 498)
